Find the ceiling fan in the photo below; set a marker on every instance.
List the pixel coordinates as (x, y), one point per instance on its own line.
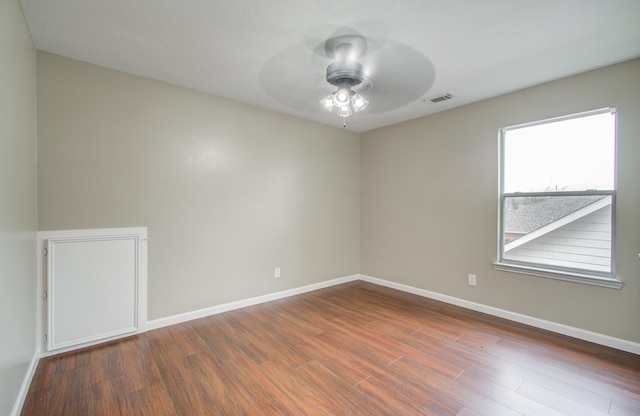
(356, 73)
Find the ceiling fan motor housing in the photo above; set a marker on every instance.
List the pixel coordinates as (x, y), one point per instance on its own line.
(340, 73)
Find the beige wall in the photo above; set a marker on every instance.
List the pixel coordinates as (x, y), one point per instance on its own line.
(429, 197)
(228, 191)
(17, 201)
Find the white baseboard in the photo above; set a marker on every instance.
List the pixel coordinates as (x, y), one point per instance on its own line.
(213, 310)
(583, 334)
(26, 382)
(597, 338)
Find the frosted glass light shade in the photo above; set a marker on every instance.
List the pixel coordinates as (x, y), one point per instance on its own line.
(327, 102)
(359, 103)
(344, 111)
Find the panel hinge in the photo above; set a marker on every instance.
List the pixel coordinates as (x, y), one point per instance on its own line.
(45, 337)
(45, 294)
(45, 252)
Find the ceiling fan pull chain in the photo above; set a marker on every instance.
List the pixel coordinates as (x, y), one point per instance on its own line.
(344, 122)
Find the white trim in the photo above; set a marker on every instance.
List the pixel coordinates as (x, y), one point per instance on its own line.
(578, 333)
(92, 232)
(213, 310)
(574, 332)
(610, 110)
(586, 279)
(562, 329)
(583, 334)
(86, 344)
(26, 382)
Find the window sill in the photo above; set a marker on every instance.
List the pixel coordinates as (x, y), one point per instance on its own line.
(566, 276)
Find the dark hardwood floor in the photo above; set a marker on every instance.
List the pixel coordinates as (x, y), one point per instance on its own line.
(355, 349)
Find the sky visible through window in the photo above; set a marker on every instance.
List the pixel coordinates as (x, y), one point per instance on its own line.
(569, 155)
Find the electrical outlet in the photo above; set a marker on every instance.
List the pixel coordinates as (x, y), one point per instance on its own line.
(472, 279)
(276, 272)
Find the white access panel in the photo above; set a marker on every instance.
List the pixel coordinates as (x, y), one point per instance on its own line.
(95, 283)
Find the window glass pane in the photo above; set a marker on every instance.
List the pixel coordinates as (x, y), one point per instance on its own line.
(568, 155)
(560, 231)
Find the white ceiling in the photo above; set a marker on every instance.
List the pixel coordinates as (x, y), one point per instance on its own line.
(269, 53)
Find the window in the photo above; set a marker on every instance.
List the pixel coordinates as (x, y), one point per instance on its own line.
(557, 198)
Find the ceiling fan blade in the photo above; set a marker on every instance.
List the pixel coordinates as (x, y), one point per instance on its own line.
(400, 75)
(296, 78)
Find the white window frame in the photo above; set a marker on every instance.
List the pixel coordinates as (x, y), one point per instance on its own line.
(555, 272)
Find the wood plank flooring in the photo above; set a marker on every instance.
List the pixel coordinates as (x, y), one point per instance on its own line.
(351, 349)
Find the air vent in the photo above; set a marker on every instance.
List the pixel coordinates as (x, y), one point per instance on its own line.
(445, 97)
